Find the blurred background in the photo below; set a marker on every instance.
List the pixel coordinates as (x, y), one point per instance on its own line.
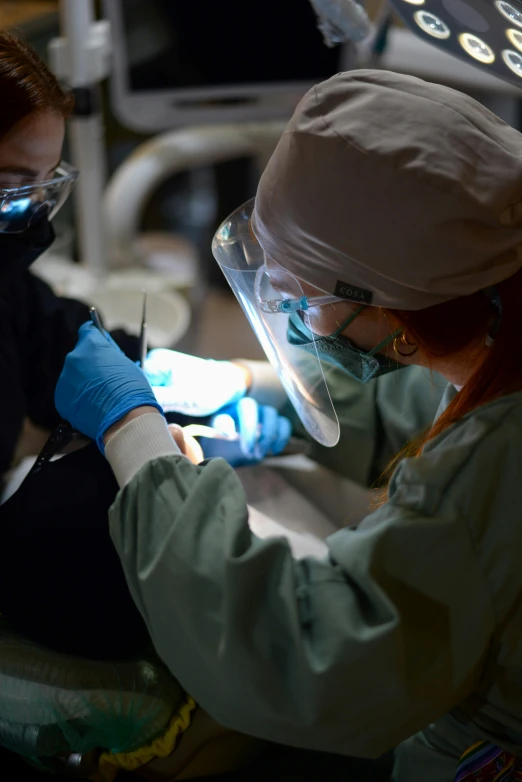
(174, 68)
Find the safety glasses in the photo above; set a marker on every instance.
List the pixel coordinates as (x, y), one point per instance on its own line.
(20, 206)
(267, 302)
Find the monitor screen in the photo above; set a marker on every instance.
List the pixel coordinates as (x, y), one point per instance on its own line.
(184, 44)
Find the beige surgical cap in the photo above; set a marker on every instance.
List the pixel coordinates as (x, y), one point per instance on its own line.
(389, 190)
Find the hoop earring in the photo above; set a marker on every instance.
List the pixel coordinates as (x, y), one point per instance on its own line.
(401, 340)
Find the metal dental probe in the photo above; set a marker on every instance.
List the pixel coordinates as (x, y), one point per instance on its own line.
(93, 312)
(143, 333)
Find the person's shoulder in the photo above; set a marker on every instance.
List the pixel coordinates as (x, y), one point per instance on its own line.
(494, 424)
(475, 459)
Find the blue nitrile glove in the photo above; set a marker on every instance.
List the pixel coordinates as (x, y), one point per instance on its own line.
(262, 432)
(193, 386)
(99, 385)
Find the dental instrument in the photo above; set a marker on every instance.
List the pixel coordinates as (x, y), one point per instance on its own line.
(143, 332)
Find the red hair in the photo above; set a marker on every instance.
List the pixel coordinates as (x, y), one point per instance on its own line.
(26, 84)
(447, 330)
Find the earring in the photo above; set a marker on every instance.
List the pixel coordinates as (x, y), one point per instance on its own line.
(402, 340)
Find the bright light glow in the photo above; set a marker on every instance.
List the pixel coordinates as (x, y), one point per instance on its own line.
(16, 207)
(431, 24)
(510, 12)
(476, 48)
(415, 2)
(224, 424)
(515, 36)
(513, 61)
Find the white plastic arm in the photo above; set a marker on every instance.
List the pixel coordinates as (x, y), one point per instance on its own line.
(169, 153)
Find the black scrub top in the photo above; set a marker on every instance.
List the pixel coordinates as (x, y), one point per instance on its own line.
(61, 581)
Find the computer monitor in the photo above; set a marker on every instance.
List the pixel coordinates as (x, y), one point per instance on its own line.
(179, 62)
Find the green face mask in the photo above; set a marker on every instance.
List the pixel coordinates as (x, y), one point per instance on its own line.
(341, 352)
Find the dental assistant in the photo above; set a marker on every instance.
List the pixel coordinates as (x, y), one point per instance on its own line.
(385, 241)
(46, 591)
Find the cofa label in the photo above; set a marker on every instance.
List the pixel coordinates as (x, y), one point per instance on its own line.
(351, 292)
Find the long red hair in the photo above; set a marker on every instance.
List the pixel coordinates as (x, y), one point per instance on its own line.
(26, 84)
(446, 330)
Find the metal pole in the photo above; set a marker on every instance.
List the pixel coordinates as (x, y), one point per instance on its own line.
(77, 18)
(86, 134)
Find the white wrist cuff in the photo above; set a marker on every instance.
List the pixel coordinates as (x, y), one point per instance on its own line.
(144, 438)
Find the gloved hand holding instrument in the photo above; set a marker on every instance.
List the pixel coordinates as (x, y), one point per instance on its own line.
(64, 433)
(232, 425)
(99, 385)
(243, 433)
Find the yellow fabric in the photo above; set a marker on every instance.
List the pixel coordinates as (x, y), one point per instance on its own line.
(109, 765)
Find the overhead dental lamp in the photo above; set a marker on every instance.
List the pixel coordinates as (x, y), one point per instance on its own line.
(484, 33)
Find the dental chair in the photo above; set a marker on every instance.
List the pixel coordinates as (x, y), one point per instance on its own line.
(92, 720)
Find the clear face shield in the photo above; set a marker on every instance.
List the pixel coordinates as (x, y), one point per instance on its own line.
(269, 296)
(20, 206)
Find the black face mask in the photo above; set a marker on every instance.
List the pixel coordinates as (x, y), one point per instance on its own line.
(19, 251)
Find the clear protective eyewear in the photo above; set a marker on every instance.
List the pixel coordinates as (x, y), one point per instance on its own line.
(269, 296)
(289, 305)
(20, 206)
